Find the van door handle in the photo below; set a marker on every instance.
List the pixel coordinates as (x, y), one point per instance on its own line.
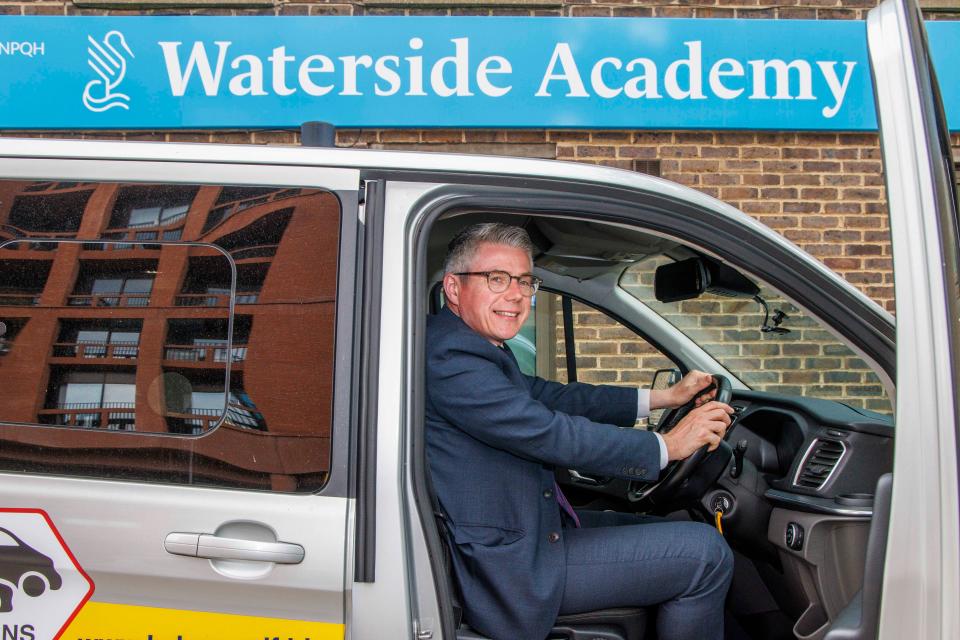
(205, 545)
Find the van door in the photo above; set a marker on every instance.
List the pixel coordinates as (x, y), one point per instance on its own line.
(921, 577)
(176, 346)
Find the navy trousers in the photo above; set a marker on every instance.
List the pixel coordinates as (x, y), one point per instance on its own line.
(625, 560)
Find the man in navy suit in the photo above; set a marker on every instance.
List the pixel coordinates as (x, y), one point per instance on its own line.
(520, 554)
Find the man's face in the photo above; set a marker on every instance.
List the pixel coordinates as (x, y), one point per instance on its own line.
(495, 316)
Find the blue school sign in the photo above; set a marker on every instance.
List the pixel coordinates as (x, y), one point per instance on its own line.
(170, 72)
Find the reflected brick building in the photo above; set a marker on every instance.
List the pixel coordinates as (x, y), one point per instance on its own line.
(166, 310)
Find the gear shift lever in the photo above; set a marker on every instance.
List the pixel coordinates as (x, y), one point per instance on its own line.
(738, 452)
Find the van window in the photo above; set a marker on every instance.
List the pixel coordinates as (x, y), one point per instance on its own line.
(799, 358)
(168, 333)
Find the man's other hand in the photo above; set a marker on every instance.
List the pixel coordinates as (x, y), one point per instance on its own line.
(704, 425)
(684, 391)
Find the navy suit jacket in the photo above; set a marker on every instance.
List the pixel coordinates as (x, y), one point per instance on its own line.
(494, 436)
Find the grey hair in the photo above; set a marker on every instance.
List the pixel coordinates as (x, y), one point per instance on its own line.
(463, 247)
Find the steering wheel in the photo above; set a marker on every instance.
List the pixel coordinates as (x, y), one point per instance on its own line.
(677, 472)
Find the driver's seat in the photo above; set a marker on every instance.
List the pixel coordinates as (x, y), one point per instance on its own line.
(623, 623)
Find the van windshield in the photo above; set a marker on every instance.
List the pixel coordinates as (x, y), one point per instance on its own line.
(805, 360)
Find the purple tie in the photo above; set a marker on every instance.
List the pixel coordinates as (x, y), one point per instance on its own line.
(565, 504)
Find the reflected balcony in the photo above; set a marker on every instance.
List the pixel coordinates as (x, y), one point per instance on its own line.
(225, 211)
(19, 299)
(204, 354)
(193, 421)
(95, 350)
(214, 299)
(257, 252)
(109, 300)
(112, 416)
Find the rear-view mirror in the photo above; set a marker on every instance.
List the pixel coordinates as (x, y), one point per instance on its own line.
(688, 279)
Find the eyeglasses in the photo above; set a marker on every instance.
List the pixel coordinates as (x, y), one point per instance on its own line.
(499, 281)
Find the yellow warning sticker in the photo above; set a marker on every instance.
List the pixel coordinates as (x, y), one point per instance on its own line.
(103, 621)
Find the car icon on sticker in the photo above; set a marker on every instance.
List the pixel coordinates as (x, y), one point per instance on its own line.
(23, 568)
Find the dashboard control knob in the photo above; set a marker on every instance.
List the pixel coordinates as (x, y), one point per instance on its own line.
(794, 536)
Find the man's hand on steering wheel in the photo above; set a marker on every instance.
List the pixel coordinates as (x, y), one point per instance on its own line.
(704, 425)
(691, 433)
(691, 387)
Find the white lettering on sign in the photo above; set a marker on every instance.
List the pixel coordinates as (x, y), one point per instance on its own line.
(727, 78)
(219, 68)
(448, 76)
(28, 49)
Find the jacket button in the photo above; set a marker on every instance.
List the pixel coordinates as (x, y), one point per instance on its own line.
(553, 536)
(548, 494)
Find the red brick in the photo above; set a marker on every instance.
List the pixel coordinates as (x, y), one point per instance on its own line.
(652, 137)
(761, 178)
(777, 166)
(837, 235)
(760, 152)
(720, 152)
(596, 151)
(741, 165)
(532, 137)
(780, 222)
(633, 12)
(821, 165)
(780, 193)
(483, 135)
(801, 236)
(840, 154)
(838, 264)
(791, 179)
(720, 179)
(568, 136)
(819, 193)
(611, 136)
(693, 137)
(861, 194)
(700, 165)
(802, 207)
(738, 193)
(760, 206)
(842, 207)
(641, 153)
(805, 153)
(862, 250)
(838, 180)
(677, 151)
(736, 137)
(443, 136)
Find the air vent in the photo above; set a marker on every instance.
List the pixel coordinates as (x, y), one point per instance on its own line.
(819, 462)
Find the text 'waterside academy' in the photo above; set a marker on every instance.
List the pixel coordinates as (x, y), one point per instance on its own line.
(220, 67)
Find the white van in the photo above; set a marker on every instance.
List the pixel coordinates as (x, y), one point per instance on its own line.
(211, 368)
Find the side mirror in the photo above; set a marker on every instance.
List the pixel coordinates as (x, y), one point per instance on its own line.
(688, 279)
(662, 379)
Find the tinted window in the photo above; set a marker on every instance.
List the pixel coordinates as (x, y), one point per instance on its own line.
(204, 357)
